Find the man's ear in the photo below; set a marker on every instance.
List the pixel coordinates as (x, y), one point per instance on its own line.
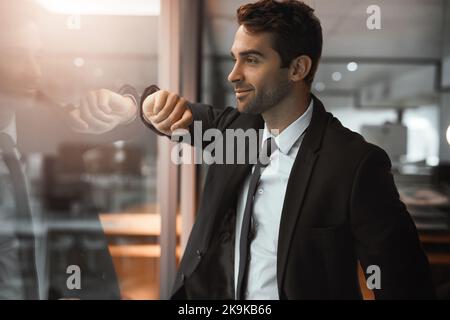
(300, 68)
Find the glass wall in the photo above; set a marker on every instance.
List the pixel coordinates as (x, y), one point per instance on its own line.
(78, 206)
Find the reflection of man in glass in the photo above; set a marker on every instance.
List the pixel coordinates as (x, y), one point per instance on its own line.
(20, 78)
(19, 82)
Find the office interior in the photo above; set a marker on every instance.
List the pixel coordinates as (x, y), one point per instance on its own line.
(116, 206)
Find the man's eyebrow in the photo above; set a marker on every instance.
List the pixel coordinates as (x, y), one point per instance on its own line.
(248, 52)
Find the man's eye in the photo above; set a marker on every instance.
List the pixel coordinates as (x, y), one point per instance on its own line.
(251, 60)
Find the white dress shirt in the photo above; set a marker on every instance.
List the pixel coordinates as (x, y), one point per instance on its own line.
(10, 277)
(268, 205)
(10, 129)
(6, 196)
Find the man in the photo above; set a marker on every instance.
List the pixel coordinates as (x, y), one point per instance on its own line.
(296, 232)
(20, 92)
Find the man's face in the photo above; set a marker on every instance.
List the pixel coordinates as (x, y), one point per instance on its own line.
(20, 71)
(259, 82)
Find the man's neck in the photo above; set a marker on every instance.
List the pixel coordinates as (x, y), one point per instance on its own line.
(287, 111)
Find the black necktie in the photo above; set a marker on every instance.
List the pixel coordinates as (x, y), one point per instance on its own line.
(246, 233)
(24, 229)
(12, 162)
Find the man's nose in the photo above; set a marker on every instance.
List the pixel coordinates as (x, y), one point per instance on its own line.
(236, 74)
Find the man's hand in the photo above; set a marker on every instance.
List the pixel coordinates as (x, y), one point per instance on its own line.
(101, 111)
(167, 112)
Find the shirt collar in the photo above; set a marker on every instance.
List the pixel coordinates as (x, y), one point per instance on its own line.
(286, 139)
(11, 130)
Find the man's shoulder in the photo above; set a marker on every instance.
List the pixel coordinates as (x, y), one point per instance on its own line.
(344, 142)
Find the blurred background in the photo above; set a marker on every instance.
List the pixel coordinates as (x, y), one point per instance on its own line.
(111, 203)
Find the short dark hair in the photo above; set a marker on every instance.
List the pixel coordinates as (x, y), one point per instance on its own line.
(294, 27)
(14, 13)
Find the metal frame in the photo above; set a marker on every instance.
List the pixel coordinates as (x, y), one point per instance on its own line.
(169, 79)
(190, 89)
(179, 71)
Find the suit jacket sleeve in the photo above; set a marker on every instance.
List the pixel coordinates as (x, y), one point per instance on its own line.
(385, 234)
(205, 117)
(56, 112)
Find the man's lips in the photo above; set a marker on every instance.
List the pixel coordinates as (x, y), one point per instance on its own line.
(29, 86)
(241, 93)
(30, 90)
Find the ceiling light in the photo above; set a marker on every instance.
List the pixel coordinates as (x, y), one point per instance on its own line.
(337, 76)
(352, 66)
(448, 135)
(320, 86)
(103, 7)
(78, 62)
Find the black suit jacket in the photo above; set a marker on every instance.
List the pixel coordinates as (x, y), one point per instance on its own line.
(341, 206)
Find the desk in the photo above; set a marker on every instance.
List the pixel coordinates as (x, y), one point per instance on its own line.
(137, 260)
(134, 224)
(138, 251)
(437, 247)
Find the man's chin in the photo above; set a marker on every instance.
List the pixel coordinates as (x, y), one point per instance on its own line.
(244, 110)
(244, 106)
(247, 108)
(240, 108)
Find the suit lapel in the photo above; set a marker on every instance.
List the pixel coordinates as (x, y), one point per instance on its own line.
(232, 176)
(298, 185)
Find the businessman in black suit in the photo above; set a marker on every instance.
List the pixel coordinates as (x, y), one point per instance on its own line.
(296, 227)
